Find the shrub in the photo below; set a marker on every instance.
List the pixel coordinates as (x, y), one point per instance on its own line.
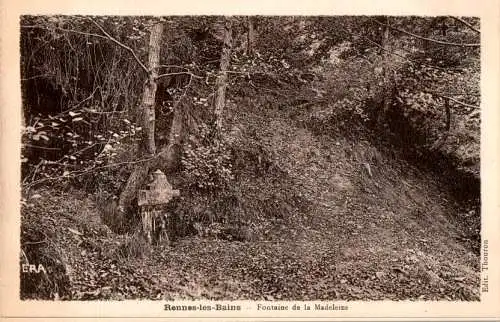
(207, 160)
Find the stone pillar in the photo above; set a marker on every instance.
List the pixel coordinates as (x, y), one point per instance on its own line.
(151, 204)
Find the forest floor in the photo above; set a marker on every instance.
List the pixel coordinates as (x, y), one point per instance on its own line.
(375, 227)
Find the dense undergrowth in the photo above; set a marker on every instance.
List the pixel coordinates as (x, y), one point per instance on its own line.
(309, 191)
(295, 193)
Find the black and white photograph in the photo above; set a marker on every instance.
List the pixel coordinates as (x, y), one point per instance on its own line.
(250, 157)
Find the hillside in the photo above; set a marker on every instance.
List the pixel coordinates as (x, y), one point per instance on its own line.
(315, 157)
(349, 222)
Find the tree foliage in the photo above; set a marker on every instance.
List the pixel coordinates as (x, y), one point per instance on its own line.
(82, 78)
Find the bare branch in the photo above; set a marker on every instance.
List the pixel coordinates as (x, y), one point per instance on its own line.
(430, 39)
(183, 94)
(66, 30)
(40, 147)
(36, 76)
(108, 36)
(172, 66)
(391, 52)
(83, 172)
(179, 73)
(466, 23)
(411, 61)
(459, 102)
(452, 99)
(457, 94)
(98, 112)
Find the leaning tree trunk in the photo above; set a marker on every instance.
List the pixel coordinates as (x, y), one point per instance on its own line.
(169, 154)
(225, 60)
(146, 117)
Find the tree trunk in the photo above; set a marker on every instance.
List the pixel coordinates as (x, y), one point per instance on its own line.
(440, 142)
(250, 36)
(146, 117)
(386, 72)
(221, 83)
(168, 156)
(147, 108)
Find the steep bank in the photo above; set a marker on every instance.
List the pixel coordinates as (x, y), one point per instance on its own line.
(350, 222)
